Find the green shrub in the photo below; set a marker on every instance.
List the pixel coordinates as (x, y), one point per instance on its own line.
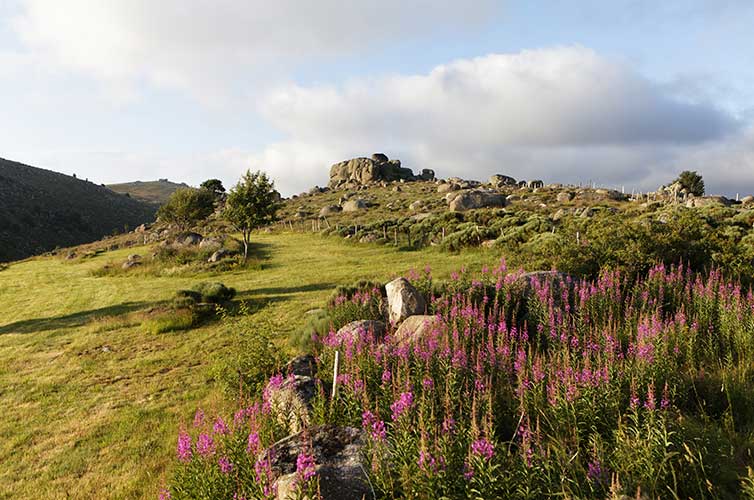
(170, 320)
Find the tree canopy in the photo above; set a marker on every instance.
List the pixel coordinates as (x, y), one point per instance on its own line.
(692, 182)
(252, 203)
(186, 207)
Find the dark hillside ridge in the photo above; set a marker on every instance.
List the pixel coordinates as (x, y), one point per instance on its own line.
(41, 210)
(150, 191)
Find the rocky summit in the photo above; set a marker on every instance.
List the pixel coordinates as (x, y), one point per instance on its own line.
(379, 168)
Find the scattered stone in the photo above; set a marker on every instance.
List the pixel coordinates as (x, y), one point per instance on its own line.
(354, 205)
(488, 244)
(368, 238)
(535, 184)
(444, 188)
(499, 180)
(476, 199)
(191, 239)
(330, 210)
(417, 205)
(130, 263)
(210, 243)
(564, 197)
(587, 213)
(403, 300)
(397, 189)
(70, 255)
(219, 255)
(706, 201)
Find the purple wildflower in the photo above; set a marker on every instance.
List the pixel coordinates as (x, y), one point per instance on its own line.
(225, 465)
(184, 446)
(205, 445)
(198, 418)
(164, 495)
(252, 446)
(402, 404)
(220, 426)
(483, 448)
(305, 467)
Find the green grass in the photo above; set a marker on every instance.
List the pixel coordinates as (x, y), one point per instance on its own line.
(91, 400)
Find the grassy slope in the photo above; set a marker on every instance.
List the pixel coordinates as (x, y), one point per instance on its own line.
(79, 419)
(150, 191)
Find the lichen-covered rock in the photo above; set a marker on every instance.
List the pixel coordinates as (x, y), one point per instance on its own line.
(219, 255)
(706, 201)
(363, 171)
(329, 210)
(403, 300)
(354, 205)
(415, 328)
(338, 457)
(469, 200)
(564, 197)
(499, 180)
(535, 184)
(290, 399)
(362, 329)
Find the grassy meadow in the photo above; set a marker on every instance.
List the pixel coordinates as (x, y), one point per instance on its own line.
(92, 401)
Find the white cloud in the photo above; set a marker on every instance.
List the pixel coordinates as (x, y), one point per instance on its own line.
(209, 46)
(563, 114)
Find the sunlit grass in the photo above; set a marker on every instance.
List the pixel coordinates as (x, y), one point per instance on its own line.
(92, 399)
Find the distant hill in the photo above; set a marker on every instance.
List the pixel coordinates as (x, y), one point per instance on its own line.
(41, 210)
(150, 191)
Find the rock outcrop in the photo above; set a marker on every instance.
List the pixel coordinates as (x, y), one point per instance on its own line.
(378, 168)
(468, 200)
(403, 300)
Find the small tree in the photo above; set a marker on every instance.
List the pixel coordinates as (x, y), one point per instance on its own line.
(252, 203)
(692, 182)
(214, 186)
(186, 207)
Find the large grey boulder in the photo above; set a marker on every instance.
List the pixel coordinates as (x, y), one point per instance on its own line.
(415, 328)
(499, 180)
(339, 465)
(403, 300)
(219, 255)
(290, 402)
(330, 210)
(191, 239)
(469, 200)
(354, 205)
(447, 187)
(535, 184)
(707, 201)
(564, 197)
(362, 329)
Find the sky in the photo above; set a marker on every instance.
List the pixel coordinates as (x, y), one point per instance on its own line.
(622, 94)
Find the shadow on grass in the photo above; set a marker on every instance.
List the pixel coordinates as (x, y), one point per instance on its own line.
(71, 320)
(284, 290)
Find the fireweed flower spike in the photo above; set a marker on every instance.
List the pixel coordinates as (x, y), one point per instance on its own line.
(184, 446)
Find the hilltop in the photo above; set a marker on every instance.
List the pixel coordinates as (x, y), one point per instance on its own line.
(43, 210)
(156, 192)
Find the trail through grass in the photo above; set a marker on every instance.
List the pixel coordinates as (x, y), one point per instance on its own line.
(92, 402)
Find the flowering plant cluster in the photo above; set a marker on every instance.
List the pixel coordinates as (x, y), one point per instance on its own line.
(527, 386)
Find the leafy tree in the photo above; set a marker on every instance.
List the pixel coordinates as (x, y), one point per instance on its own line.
(214, 186)
(692, 182)
(186, 207)
(252, 203)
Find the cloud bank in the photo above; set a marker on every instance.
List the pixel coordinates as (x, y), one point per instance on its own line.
(562, 114)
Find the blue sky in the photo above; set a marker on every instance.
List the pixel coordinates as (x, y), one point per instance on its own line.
(622, 93)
